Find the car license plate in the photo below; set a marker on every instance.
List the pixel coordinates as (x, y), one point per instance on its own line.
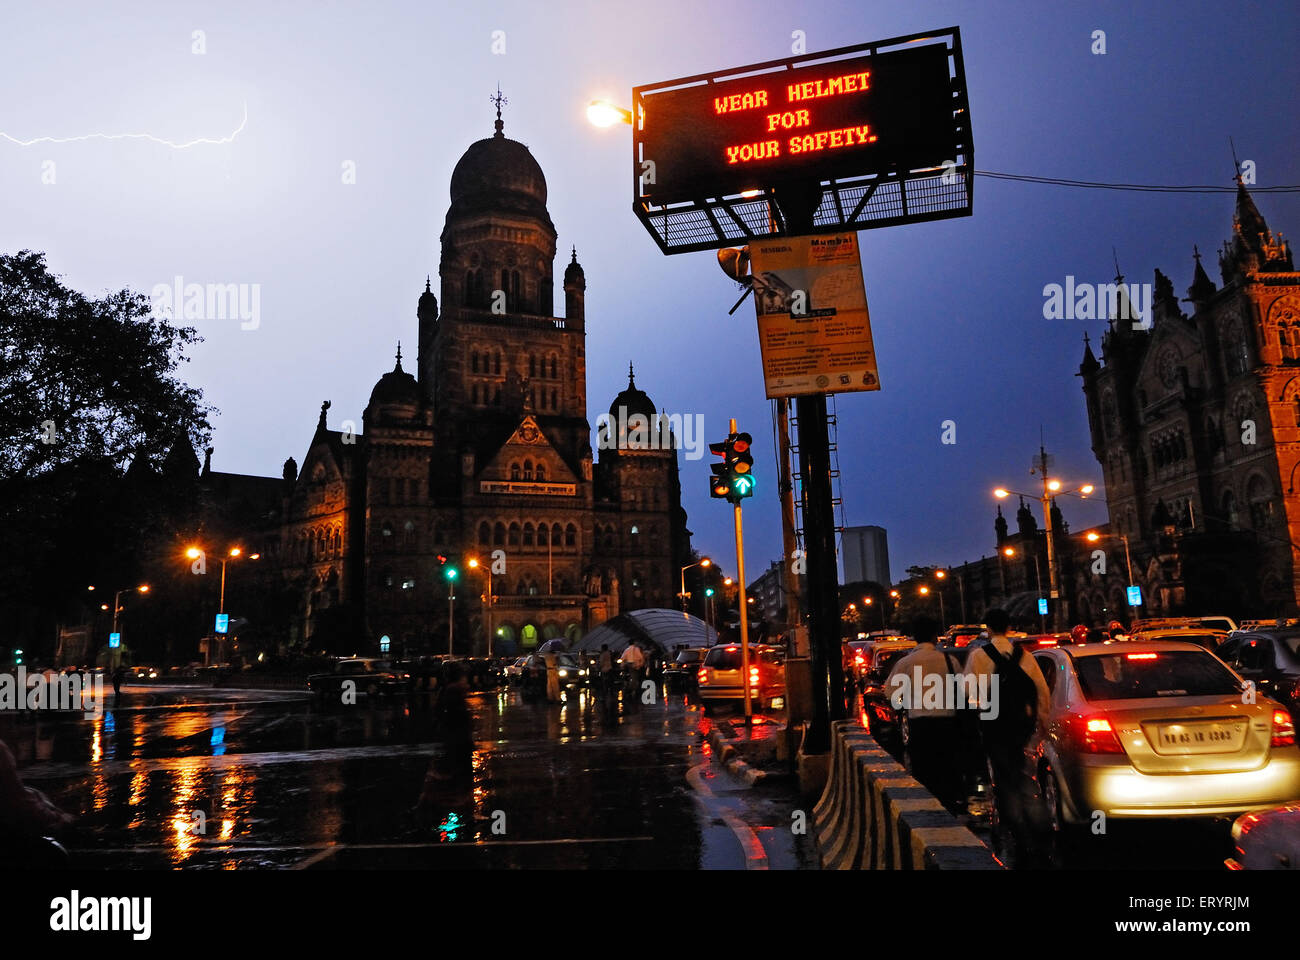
(1214, 736)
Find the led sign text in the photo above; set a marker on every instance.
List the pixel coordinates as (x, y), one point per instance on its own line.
(855, 136)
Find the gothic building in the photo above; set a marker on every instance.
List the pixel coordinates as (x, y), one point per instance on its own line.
(483, 452)
(1195, 420)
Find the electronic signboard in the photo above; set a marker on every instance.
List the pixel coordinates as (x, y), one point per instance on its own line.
(721, 159)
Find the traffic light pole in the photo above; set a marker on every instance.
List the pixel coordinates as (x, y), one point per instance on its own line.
(744, 604)
(823, 577)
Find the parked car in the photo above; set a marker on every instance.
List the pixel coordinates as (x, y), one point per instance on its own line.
(719, 676)
(1271, 660)
(1158, 729)
(371, 676)
(1267, 840)
(681, 673)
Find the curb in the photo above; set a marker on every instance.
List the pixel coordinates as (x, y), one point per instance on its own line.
(873, 815)
(726, 754)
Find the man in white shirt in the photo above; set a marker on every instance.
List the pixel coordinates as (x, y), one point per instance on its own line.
(921, 692)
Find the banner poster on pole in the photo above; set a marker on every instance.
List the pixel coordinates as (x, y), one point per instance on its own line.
(813, 326)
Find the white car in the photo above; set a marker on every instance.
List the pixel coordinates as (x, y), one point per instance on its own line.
(1159, 729)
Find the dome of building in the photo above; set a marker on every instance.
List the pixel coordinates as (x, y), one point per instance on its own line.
(635, 401)
(501, 175)
(396, 387)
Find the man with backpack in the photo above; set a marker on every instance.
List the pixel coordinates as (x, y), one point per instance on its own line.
(931, 721)
(1010, 728)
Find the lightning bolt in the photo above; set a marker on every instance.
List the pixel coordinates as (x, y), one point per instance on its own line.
(132, 136)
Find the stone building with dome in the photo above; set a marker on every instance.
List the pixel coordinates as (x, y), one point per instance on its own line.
(482, 450)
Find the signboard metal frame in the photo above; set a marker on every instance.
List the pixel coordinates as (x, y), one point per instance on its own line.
(858, 202)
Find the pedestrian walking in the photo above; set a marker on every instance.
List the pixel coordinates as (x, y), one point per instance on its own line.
(553, 677)
(118, 675)
(605, 668)
(1009, 731)
(928, 722)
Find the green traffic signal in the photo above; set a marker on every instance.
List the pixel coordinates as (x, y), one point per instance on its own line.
(708, 591)
(450, 573)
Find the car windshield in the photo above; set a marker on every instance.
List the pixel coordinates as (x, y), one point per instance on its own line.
(1291, 642)
(1136, 676)
(688, 656)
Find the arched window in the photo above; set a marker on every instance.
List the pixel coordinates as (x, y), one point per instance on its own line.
(528, 470)
(609, 537)
(552, 368)
(514, 535)
(532, 366)
(408, 534)
(557, 535)
(542, 538)
(553, 402)
(528, 534)
(570, 535)
(484, 534)
(514, 471)
(469, 288)
(497, 366)
(1260, 500)
(473, 362)
(1230, 509)
(386, 536)
(548, 296)
(541, 470)
(499, 535)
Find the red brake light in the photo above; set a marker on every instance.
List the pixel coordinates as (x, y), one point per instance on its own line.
(1094, 734)
(1049, 642)
(1141, 656)
(1283, 729)
(857, 658)
(703, 675)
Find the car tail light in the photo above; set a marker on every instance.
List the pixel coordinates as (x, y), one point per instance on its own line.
(857, 658)
(1094, 734)
(703, 675)
(1141, 656)
(1283, 729)
(753, 676)
(1049, 642)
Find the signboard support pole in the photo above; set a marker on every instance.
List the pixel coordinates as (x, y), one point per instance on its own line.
(785, 486)
(823, 576)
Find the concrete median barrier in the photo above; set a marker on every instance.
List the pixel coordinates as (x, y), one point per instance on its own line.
(873, 815)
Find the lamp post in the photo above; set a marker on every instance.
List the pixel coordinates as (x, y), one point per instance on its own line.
(702, 562)
(893, 595)
(487, 612)
(1051, 489)
(870, 601)
(117, 600)
(1093, 536)
(925, 591)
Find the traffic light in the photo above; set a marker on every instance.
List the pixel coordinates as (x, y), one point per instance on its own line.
(449, 571)
(742, 466)
(733, 478)
(719, 486)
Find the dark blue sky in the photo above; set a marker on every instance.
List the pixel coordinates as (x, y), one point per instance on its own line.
(401, 90)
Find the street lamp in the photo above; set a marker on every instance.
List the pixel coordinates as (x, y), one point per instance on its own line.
(234, 553)
(117, 600)
(473, 564)
(1093, 536)
(702, 562)
(602, 113)
(1051, 489)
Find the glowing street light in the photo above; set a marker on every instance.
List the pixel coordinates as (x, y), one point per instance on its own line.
(602, 113)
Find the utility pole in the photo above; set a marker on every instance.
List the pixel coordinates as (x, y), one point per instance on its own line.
(744, 603)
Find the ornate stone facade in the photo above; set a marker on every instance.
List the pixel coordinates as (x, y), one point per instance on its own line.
(485, 454)
(1195, 421)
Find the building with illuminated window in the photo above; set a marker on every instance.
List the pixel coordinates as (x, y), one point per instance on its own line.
(484, 451)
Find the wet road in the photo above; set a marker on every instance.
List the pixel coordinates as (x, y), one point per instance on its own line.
(184, 777)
